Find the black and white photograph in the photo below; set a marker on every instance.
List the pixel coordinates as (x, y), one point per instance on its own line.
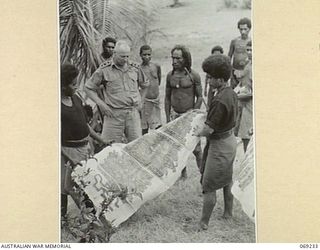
(157, 135)
(132, 122)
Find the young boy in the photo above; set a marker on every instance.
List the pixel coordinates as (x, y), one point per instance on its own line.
(237, 51)
(75, 133)
(151, 113)
(245, 97)
(216, 50)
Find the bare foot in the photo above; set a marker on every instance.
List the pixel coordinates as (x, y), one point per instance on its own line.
(227, 217)
(202, 226)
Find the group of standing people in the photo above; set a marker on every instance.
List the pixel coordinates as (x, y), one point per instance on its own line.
(229, 115)
(127, 96)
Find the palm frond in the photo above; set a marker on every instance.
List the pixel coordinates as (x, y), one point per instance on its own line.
(78, 37)
(84, 23)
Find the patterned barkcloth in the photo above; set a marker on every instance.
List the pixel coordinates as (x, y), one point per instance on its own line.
(122, 177)
(243, 185)
(125, 176)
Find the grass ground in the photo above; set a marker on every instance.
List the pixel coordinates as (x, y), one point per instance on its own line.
(173, 215)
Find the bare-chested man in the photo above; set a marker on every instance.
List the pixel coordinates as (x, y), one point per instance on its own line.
(151, 113)
(183, 91)
(237, 51)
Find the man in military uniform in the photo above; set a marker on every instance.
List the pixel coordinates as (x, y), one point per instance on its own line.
(183, 91)
(122, 101)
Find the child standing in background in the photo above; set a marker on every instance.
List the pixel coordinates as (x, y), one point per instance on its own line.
(245, 97)
(151, 113)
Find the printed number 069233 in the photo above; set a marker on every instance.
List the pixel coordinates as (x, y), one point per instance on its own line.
(308, 245)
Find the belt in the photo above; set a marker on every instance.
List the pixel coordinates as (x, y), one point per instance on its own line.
(125, 108)
(222, 135)
(75, 144)
(181, 112)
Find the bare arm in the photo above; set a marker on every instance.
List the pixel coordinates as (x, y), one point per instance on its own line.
(204, 131)
(231, 49)
(143, 83)
(143, 93)
(159, 73)
(198, 91)
(167, 100)
(97, 137)
(206, 86)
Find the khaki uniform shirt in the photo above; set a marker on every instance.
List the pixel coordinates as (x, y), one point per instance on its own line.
(121, 87)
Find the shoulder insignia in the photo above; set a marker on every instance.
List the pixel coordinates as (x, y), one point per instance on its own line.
(134, 64)
(105, 64)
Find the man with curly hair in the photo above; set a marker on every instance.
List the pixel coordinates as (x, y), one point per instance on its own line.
(220, 152)
(183, 91)
(108, 45)
(216, 50)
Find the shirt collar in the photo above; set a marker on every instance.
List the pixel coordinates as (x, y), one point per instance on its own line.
(117, 67)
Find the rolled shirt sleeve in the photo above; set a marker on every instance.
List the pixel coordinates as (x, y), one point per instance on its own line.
(95, 80)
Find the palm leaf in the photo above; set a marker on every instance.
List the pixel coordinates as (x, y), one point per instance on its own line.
(84, 23)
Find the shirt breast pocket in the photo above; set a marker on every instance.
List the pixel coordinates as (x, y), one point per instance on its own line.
(132, 81)
(113, 86)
